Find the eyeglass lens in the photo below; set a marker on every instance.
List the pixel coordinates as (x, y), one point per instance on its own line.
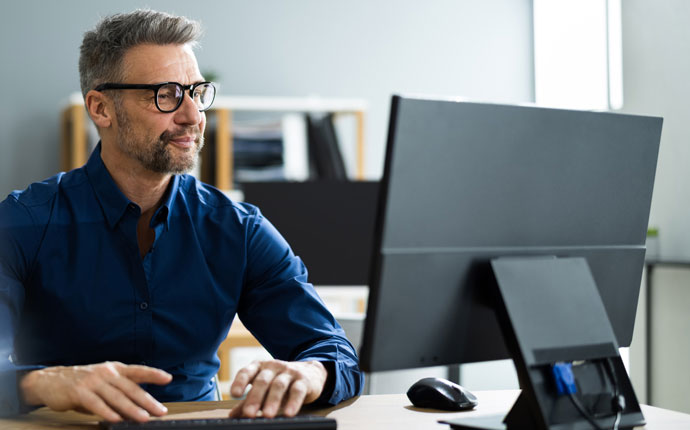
(169, 96)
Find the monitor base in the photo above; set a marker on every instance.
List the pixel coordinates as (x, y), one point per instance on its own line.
(487, 422)
(519, 418)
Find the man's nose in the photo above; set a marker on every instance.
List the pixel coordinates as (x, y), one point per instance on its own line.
(188, 112)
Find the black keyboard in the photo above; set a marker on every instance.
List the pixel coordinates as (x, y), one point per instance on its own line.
(300, 422)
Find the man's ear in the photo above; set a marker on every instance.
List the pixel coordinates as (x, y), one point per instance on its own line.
(99, 108)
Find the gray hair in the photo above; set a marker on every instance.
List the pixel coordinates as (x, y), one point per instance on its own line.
(103, 48)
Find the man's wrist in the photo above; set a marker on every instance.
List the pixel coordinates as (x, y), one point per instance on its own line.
(320, 368)
(328, 381)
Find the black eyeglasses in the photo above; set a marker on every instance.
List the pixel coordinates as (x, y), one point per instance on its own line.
(169, 95)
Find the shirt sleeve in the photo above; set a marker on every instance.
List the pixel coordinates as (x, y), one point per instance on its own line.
(285, 314)
(18, 235)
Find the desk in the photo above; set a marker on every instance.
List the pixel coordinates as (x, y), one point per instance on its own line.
(649, 267)
(378, 412)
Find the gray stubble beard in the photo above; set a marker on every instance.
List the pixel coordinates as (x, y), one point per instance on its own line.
(154, 154)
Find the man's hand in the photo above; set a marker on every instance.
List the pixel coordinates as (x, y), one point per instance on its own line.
(109, 390)
(277, 384)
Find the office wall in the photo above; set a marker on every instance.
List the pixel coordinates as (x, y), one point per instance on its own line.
(656, 67)
(356, 48)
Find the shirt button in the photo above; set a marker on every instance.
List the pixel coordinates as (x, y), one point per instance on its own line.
(143, 306)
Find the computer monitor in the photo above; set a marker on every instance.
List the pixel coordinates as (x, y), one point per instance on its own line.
(466, 183)
(329, 224)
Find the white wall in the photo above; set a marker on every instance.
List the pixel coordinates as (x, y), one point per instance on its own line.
(656, 68)
(356, 48)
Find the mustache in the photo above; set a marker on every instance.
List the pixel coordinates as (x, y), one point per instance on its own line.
(168, 135)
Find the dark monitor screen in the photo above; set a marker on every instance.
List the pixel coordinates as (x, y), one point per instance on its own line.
(468, 182)
(328, 224)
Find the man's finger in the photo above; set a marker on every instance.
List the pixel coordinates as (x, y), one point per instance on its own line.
(117, 400)
(92, 403)
(145, 374)
(276, 394)
(296, 396)
(139, 396)
(236, 412)
(243, 378)
(256, 395)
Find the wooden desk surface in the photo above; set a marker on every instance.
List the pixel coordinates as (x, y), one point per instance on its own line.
(392, 411)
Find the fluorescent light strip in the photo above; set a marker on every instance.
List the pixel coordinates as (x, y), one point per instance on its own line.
(615, 53)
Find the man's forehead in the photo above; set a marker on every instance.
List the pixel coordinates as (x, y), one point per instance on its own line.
(149, 63)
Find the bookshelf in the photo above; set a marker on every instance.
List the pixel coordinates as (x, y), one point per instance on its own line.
(74, 123)
(75, 128)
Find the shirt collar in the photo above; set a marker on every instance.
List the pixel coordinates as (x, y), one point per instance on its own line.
(113, 202)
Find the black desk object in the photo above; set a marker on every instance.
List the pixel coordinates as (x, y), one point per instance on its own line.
(328, 224)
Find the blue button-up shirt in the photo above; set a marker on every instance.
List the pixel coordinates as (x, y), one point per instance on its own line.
(74, 289)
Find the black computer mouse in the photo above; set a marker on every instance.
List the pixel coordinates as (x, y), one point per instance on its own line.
(437, 393)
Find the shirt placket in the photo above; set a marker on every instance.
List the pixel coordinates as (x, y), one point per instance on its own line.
(143, 315)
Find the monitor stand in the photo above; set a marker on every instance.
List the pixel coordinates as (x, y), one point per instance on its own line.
(550, 311)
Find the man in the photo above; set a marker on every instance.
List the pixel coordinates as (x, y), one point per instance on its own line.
(119, 280)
